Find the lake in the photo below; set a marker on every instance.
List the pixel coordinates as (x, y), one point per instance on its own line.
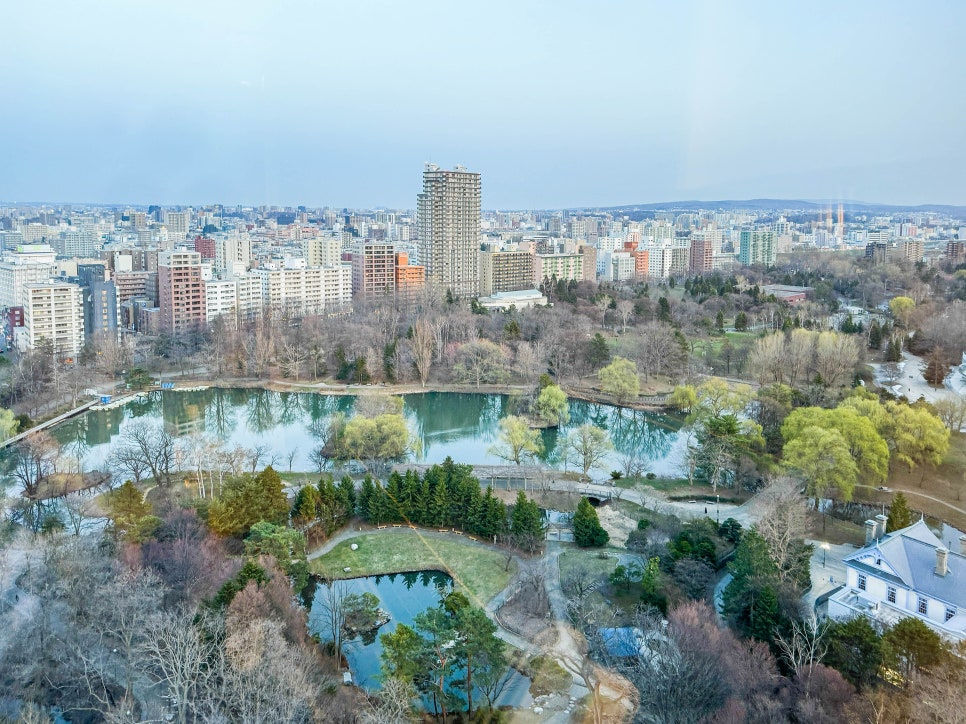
(463, 426)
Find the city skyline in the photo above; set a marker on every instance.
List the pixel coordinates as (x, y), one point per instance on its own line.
(301, 103)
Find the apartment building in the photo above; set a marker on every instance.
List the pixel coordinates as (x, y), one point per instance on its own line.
(505, 271)
(53, 311)
(181, 291)
(448, 213)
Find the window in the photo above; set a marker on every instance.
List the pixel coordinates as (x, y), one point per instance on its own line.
(891, 594)
(922, 605)
(861, 582)
(950, 612)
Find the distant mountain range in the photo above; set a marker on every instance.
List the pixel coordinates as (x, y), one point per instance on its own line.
(782, 204)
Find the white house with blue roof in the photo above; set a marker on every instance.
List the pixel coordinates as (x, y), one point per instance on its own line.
(908, 573)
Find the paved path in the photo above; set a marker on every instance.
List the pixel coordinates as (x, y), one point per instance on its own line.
(906, 491)
(828, 570)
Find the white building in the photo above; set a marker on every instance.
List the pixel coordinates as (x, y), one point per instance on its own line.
(53, 311)
(306, 291)
(28, 264)
(909, 573)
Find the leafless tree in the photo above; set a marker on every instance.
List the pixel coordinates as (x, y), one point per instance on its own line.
(803, 647)
(178, 657)
(36, 460)
(625, 310)
(782, 523)
(156, 447)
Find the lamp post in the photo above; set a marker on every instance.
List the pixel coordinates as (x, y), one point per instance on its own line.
(824, 553)
(717, 511)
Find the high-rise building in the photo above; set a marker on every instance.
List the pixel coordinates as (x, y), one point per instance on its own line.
(449, 229)
(955, 251)
(702, 256)
(54, 311)
(181, 291)
(374, 270)
(322, 250)
(757, 247)
(100, 299)
(410, 278)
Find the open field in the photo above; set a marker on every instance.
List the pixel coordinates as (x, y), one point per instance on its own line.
(478, 571)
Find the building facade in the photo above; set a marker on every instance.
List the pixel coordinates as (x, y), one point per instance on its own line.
(909, 573)
(756, 247)
(181, 291)
(54, 311)
(448, 212)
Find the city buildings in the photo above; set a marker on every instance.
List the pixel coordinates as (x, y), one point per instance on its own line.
(448, 214)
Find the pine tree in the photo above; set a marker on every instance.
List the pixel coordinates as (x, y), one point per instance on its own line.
(899, 514)
(588, 532)
(526, 518)
(875, 336)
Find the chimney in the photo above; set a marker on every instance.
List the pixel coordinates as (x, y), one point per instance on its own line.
(870, 526)
(942, 561)
(880, 525)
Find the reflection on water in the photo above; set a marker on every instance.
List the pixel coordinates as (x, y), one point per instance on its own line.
(462, 426)
(403, 595)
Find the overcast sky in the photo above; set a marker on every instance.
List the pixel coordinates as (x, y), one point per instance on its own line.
(557, 104)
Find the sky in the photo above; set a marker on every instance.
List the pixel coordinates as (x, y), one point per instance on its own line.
(558, 104)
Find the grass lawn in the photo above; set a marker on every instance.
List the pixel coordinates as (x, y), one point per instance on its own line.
(833, 530)
(588, 558)
(478, 571)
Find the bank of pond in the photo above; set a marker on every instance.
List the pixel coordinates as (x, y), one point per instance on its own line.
(463, 426)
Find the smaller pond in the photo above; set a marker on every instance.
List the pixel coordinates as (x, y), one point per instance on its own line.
(402, 595)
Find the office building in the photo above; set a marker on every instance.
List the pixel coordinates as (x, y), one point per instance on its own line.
(448, 212)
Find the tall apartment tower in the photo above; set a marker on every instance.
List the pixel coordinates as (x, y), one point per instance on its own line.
(757, 247)
(448, 212)
(181, 291)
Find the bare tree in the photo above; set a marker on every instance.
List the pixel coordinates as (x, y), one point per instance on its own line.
(625, 310)
(36, 460)
(156, 447)
(782, 523)
(178, 657)
(330, 601)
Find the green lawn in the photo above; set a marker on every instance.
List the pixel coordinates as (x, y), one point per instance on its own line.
(477, 570)
(588, 558)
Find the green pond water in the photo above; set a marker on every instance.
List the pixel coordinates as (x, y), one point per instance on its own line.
(462, 426)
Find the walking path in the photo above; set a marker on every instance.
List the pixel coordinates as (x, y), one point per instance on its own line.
(906, 491)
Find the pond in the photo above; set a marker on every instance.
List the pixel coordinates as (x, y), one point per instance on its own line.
(460, 425)
(402, 595)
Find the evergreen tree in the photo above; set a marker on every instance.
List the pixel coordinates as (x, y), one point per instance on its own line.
(588, 532)
(899, 514)
(599, 353)
(741, 322)
(526, 518)
(664, 310)
(130, 514)
(875, 336)
(365, 495)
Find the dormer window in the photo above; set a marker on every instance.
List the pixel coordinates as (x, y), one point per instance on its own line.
(950, 612)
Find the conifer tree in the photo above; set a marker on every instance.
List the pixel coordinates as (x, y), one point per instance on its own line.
(588, 532)
(899, 514)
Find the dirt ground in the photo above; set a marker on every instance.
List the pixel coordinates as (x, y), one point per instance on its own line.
(947, 484)
(617, 525)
